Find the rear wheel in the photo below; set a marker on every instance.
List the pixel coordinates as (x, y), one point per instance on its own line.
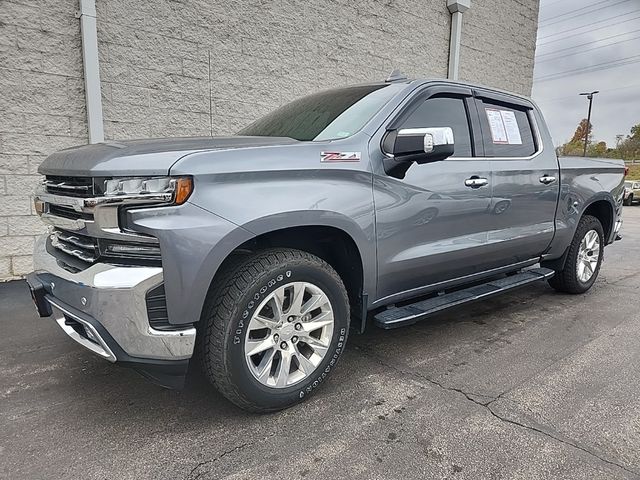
(629, 200)
(274, 328)
(584, 258)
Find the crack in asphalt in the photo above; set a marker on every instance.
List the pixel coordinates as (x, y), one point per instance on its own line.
(194, 474)
(539, 428)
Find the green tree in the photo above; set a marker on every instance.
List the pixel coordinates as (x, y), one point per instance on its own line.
(629, 148)
(597, 149)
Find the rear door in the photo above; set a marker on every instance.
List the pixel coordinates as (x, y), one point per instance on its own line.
(526, 179)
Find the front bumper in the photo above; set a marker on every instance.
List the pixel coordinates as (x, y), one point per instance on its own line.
(103, 308)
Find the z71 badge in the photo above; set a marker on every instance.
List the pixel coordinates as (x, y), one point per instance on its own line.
(327, 157)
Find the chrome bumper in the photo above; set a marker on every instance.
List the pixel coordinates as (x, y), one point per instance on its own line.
(113, 296)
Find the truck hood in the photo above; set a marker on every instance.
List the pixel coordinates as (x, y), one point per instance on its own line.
(142, 157)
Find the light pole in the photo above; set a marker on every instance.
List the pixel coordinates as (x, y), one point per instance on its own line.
(586, 135)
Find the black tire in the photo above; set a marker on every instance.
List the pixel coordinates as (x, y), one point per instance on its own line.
(240, 289)
(566, 280)
(629, 201)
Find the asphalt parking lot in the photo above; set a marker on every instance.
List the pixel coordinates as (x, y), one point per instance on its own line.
(530, 385)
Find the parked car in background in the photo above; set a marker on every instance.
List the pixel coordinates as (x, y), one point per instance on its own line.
(631, 191)
(258, 253)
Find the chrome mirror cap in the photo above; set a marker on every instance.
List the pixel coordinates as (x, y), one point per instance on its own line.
(433, 136)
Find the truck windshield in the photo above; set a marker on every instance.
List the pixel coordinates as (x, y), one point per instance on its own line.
(332, 114)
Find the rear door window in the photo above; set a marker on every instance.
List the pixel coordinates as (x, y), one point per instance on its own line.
(506, 130)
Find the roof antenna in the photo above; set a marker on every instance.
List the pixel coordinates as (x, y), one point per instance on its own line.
(395, 76)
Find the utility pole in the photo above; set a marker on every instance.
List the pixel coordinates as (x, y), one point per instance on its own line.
(586, 135)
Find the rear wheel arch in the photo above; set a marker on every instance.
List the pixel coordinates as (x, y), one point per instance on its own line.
(603, 210)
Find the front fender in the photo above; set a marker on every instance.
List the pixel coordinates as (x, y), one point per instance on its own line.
(194, 242)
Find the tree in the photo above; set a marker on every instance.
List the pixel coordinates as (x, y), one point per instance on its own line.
(597, 150)
(575, 146)
(578, 137)
(629, 148)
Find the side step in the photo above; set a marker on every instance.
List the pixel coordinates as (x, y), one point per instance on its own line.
(410, 314)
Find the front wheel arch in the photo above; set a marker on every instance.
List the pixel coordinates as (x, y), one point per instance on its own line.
(331, 244)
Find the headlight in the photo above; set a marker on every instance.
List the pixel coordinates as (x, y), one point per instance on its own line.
(180, 187)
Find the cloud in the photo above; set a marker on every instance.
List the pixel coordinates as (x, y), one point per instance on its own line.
(573, 23)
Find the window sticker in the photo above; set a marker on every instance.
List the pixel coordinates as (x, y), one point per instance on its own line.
(498, 131)
(504, 127)
(511, 126)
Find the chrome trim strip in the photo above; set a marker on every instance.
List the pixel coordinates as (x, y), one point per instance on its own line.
(82, 255)
(64, 223)
(59, 313)
(64, 186)
(410, 132)
(129, 199)
(74, 240)
(78, 203)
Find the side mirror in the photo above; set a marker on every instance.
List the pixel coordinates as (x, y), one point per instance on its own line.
(420, 145)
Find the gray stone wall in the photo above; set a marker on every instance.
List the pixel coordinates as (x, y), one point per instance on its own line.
(41, 111)
(498, 44)
(198, 67)
(201, 68)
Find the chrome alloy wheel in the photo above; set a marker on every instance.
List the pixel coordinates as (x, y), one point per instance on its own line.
(588, 256)
(289, 334)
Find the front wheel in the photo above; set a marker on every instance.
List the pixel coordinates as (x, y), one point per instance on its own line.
(274, 328)
(584, 258)
(628, 201)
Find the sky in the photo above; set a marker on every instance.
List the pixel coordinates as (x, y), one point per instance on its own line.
(582, 46)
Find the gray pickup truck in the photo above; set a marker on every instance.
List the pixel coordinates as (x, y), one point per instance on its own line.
(258, 253)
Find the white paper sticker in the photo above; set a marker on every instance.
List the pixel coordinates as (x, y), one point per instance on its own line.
(504, 127)
(511, 127)
(498, 132)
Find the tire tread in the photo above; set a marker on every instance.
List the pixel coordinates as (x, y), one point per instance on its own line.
(566, 280)
(238, 276)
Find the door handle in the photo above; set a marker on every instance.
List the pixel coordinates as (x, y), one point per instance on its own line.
(476, 182)
(547, 179)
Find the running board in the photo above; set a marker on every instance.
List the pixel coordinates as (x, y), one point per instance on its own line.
(410, 314)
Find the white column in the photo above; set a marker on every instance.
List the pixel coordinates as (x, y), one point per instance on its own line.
(457, 8)
(93, 95)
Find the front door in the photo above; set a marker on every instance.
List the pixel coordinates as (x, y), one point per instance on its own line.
(432, 224)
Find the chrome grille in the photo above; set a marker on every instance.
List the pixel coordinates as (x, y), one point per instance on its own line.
(79, 246)
(70, 186)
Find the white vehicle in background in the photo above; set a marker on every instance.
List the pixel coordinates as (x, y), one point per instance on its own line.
(631, 191)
